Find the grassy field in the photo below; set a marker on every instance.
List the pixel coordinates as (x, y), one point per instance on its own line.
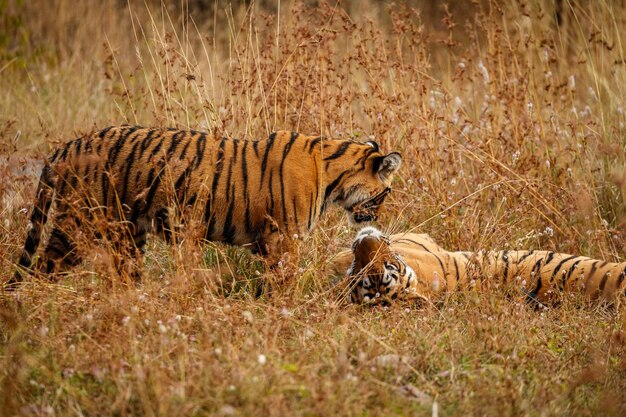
(510, 117)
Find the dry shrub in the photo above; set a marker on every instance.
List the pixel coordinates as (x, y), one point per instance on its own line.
(510, 117)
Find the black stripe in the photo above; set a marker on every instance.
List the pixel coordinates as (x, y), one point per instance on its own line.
(235, 143)
(536, 271)
(130, 160)
(362, 160)
(162, 223)
(154, 178)
(78, 143)
(271, 189)
(520, 260)
(179, 182)
(119, 144)
(104, 132)
(314, 143)
(594, 266)
(295, 213)
(140, 242)
(105, 186)
(331, 187)
(150, 177)
(62, 237)
(255, 146)
(54, 156)
(219, 163)
(228, 231)
(147, 140)
(229, 228)
(620, 279)
(152, 191)
(176, 140)
(558, 267)
(310, 212)
(281, 176)
(268, 148)
(603, 281)
(73, 181)
(443, 269)
(505, 258)
(415, 243)
(31, 243)
(183, 153)
(549, 258)
(87, 173)
(339, 152)
(456, 269)
(38, 215)
(44, 190)
(200, 147)
(210, 231)
(157, 148)
(567, 276)
(317, 191)
(404, 274)
(244, 177)
(64, 152)
(136, 211)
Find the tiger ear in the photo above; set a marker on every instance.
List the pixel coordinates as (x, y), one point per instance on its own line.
(389, 165)
(373, 145)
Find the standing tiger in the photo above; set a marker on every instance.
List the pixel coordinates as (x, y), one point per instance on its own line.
(413, 266)
(256, 193)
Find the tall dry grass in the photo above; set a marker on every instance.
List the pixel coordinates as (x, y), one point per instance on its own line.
(510, 117)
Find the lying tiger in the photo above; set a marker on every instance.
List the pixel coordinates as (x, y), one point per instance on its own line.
(254, 193)
(412, 266)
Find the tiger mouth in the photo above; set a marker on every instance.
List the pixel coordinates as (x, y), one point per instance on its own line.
(367, 211)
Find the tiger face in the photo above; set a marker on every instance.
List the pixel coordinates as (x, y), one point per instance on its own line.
(379, 274)
(362, 189)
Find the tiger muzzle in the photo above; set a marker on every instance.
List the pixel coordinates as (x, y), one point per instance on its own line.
(367, 210)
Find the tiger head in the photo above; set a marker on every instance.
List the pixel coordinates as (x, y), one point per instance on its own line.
(361, 186)
(377, 273)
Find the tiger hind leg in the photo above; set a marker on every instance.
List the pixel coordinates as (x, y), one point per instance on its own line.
(60, 253)
(128, 249)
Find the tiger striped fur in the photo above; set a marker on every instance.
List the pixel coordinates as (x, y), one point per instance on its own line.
(253, 193)
(413, 266)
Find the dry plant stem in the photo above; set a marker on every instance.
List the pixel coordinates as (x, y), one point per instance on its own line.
(510, 116)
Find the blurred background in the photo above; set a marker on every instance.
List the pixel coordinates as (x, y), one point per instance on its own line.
(510, 114)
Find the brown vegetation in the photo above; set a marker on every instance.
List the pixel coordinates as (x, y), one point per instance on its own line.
(510, 117)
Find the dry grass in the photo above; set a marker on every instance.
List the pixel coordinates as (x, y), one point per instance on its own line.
(513, 132)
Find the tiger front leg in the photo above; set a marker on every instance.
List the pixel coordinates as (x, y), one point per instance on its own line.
(123, 244)
(61, 252)
(280, 251)
(128, 261)
(131, 250)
